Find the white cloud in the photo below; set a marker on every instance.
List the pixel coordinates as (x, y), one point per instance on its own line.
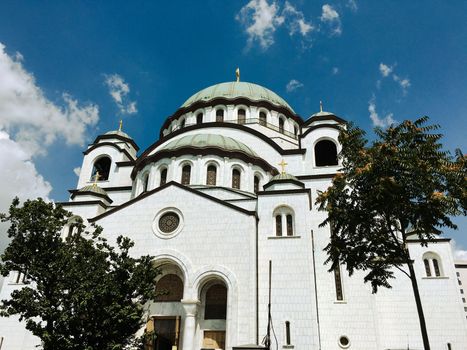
(376, 119)
(260, 20)
(296, 20)
(352, 4)
(403, 82)
(30, 118)
(335, 70)
(459, 252)
(330, 16)
(119, 91)
(293, 85)
(77, 170)
(385, 70)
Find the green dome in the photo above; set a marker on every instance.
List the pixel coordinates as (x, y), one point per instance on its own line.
(236, 89)
(284, 176)
(119, 133)
(210, 140)
(93, 188)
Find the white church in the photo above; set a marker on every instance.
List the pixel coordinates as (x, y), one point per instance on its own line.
(229, 186)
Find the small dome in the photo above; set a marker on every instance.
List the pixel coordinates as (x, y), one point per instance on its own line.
(210, 140)
(231, 90)
(284, 176)
(119, 133)
(321, 114)
(93, 188)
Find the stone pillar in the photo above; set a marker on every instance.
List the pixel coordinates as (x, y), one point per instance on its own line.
(191, 308)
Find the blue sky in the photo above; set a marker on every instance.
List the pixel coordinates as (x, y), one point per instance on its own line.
(70, 70)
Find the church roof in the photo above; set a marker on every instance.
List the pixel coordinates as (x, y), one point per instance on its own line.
(237, 89)
(210, 140)
(119, 133)
(284, 176)
(94, 189)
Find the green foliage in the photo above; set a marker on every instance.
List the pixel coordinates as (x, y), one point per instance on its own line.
(402, 186)
(82, 293)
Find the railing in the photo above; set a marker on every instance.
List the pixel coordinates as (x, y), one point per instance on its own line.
(248, 122)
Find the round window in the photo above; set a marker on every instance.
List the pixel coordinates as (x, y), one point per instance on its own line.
(169, 222)
(344, 342)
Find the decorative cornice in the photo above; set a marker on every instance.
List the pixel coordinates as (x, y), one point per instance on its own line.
(111, 144)
(75, 193)
(72, 204)
(118, 137)
(325, 117)
(273, 182)
(319, 126)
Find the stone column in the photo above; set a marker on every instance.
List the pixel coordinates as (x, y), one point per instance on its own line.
(191, 308)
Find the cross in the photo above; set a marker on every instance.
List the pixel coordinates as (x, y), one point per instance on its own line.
(320, 106)
(96, 177)
(237, 74)
(283, 164)
(120, 125)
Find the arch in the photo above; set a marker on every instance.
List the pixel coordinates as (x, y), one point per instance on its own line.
(236, 177)
(145, 182)
(263, 118)
(163, 175)
(433, 264)
(256, 182)
(220, 115)
(212, 272)
(171, 285)
(73, 227)
(102, 165)
(281, 124)
(211, 174)
(199, 118)
(180, 261)
(325, 153)
(215, 300)
(241, 115)
(186, 174)
(284, 221)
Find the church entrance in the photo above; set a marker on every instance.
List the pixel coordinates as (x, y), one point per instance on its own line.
(163, 333)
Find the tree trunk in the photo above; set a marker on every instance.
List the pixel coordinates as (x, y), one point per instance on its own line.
(421, 316)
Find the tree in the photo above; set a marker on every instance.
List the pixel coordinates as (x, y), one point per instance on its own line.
(82, 293)
(403, 185)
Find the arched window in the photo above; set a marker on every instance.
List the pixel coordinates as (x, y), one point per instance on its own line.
(211, 175)
(284, 221)
(163, 176)
(256, 184)
(101, 166)
(236, 178)
(278, 225)
(295, 131)
(186, 174)
(220, 115)
(289, 225)
(241, 116)
(145, 182)
(325, 153)
(182, 123)
(216, 303)
(281, 125)
(433, 266)
(199, 118)
(171, 288)
(262, 118)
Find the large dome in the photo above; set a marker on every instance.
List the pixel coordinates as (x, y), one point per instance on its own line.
(210, 140)
(235, 89)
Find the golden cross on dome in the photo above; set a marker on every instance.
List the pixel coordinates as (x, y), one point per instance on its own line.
(320, 106)
(283, 164)
(237, 74)
(120, 125)
(96, 178)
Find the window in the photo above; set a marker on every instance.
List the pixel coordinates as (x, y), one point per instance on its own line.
(20, 278)
(145, 183)
(186, 174)
(199, 118)
(459, 282)
(211, 175)
(458, 274)
(171, 287)
(163, 176)
(462, 291)
(289, 225)
(287, 333)
(338, 283)
(182, 123)
(344, 342)
(432, 263)
(256, 184)
(220, 115)
(325, 153)
(236, 179)
(295, 130)
(101, 169)
(278, 225)
(463, 300)
(241, 116)
(262, 118)
(216, 303)
(281, 125)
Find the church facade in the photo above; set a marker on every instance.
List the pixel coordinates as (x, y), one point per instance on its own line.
(227, 190)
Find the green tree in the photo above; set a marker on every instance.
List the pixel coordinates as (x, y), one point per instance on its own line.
(402, 186)
(82, 293)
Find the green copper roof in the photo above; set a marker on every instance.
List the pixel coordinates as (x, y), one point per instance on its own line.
(236, 89)
(284, 176)
(119, 133)
(93, 188)
(210, 140)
